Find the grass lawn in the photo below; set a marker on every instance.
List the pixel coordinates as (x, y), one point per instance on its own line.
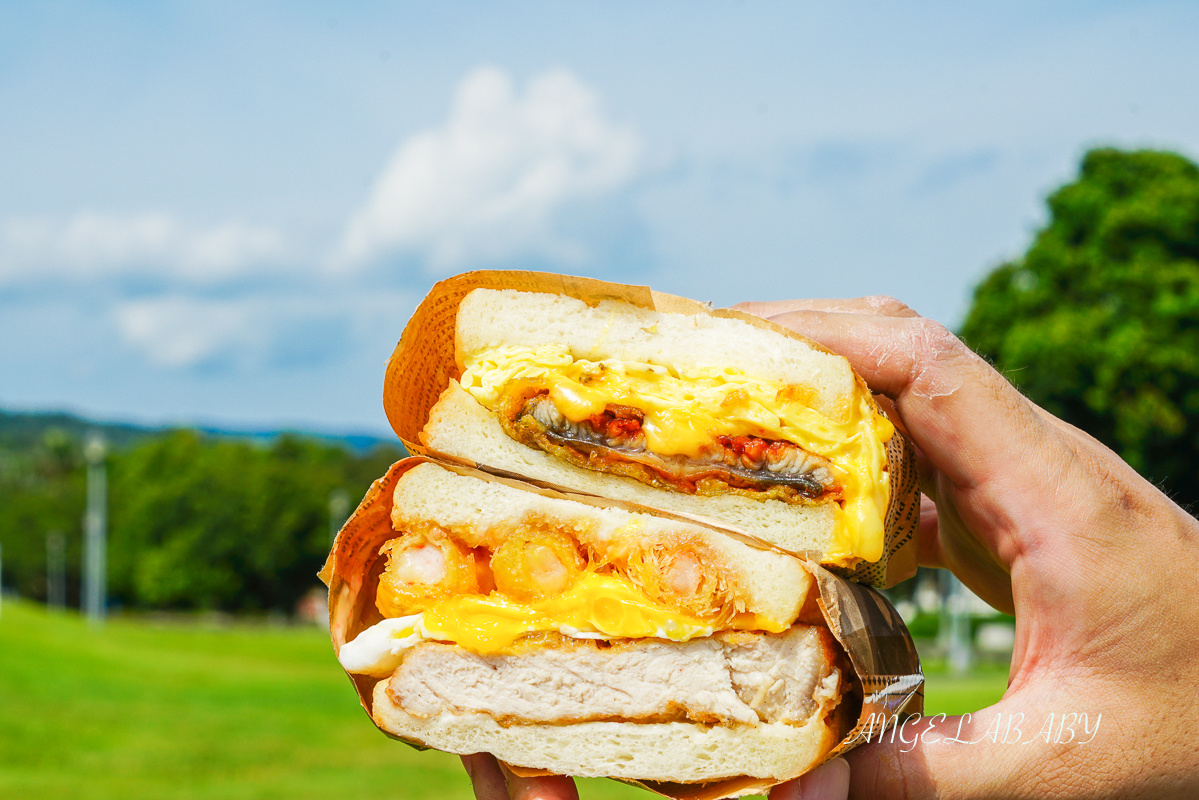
(145, 710)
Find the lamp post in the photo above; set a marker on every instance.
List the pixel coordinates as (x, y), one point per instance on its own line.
(955, 626)
(95, 556)
(56, 571)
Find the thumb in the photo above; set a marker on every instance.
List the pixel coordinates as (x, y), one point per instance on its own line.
(548, 787)
(829, 781)
(914, 759)
(938, 756)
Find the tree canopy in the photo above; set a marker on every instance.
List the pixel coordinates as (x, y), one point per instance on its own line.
(194, 521)
(1099, 321)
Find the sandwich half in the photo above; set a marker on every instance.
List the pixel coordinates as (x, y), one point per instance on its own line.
(696, 414)
(588, 639)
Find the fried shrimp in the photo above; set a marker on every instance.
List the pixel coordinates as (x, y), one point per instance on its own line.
(534, 563)
(677, 577)
(424, 567)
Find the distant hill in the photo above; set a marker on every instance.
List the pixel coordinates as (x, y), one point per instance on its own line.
(22, 430)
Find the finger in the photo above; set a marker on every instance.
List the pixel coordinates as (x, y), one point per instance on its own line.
(879, 305)
(934, 756)
(965, 555)
(829, 781)
(928, 543)
(956, 406)
(485, 776)
(548, 787)
(996, 460)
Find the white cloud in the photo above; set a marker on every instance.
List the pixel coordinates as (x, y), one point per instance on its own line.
(249, 332)
(93, 246)
(487, 185)
(183, 331)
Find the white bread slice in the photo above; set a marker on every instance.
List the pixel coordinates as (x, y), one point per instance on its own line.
(460, 427)
(671, 751)
(490, 318)
(769, 584)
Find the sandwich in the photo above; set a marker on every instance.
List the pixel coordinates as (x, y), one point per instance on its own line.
(710, 415)
(580, 636)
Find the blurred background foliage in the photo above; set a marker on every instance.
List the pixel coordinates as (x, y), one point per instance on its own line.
(196, 521)
(1099, 321)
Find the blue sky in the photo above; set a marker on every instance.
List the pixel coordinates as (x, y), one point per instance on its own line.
(224, 212)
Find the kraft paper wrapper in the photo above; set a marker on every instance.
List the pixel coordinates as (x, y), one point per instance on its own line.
(423, 364)
(879, 648)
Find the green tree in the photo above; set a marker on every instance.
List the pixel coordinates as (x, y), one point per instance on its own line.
(194, 521)
(41, 490)
(1099, 321)
(220, 524)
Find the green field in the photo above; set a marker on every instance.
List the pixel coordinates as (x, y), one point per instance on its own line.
(167, 710)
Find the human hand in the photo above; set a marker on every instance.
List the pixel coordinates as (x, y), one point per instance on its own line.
(1040, 520)
(493, 781)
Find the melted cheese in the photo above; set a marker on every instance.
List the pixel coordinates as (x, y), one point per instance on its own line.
(684, 413)
(598, 606)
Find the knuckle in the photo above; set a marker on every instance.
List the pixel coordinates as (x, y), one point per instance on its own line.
(932, 342)
(887, 306)
(940, 361)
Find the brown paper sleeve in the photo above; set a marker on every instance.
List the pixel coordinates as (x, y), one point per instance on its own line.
(878, 646)
(423, 364)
